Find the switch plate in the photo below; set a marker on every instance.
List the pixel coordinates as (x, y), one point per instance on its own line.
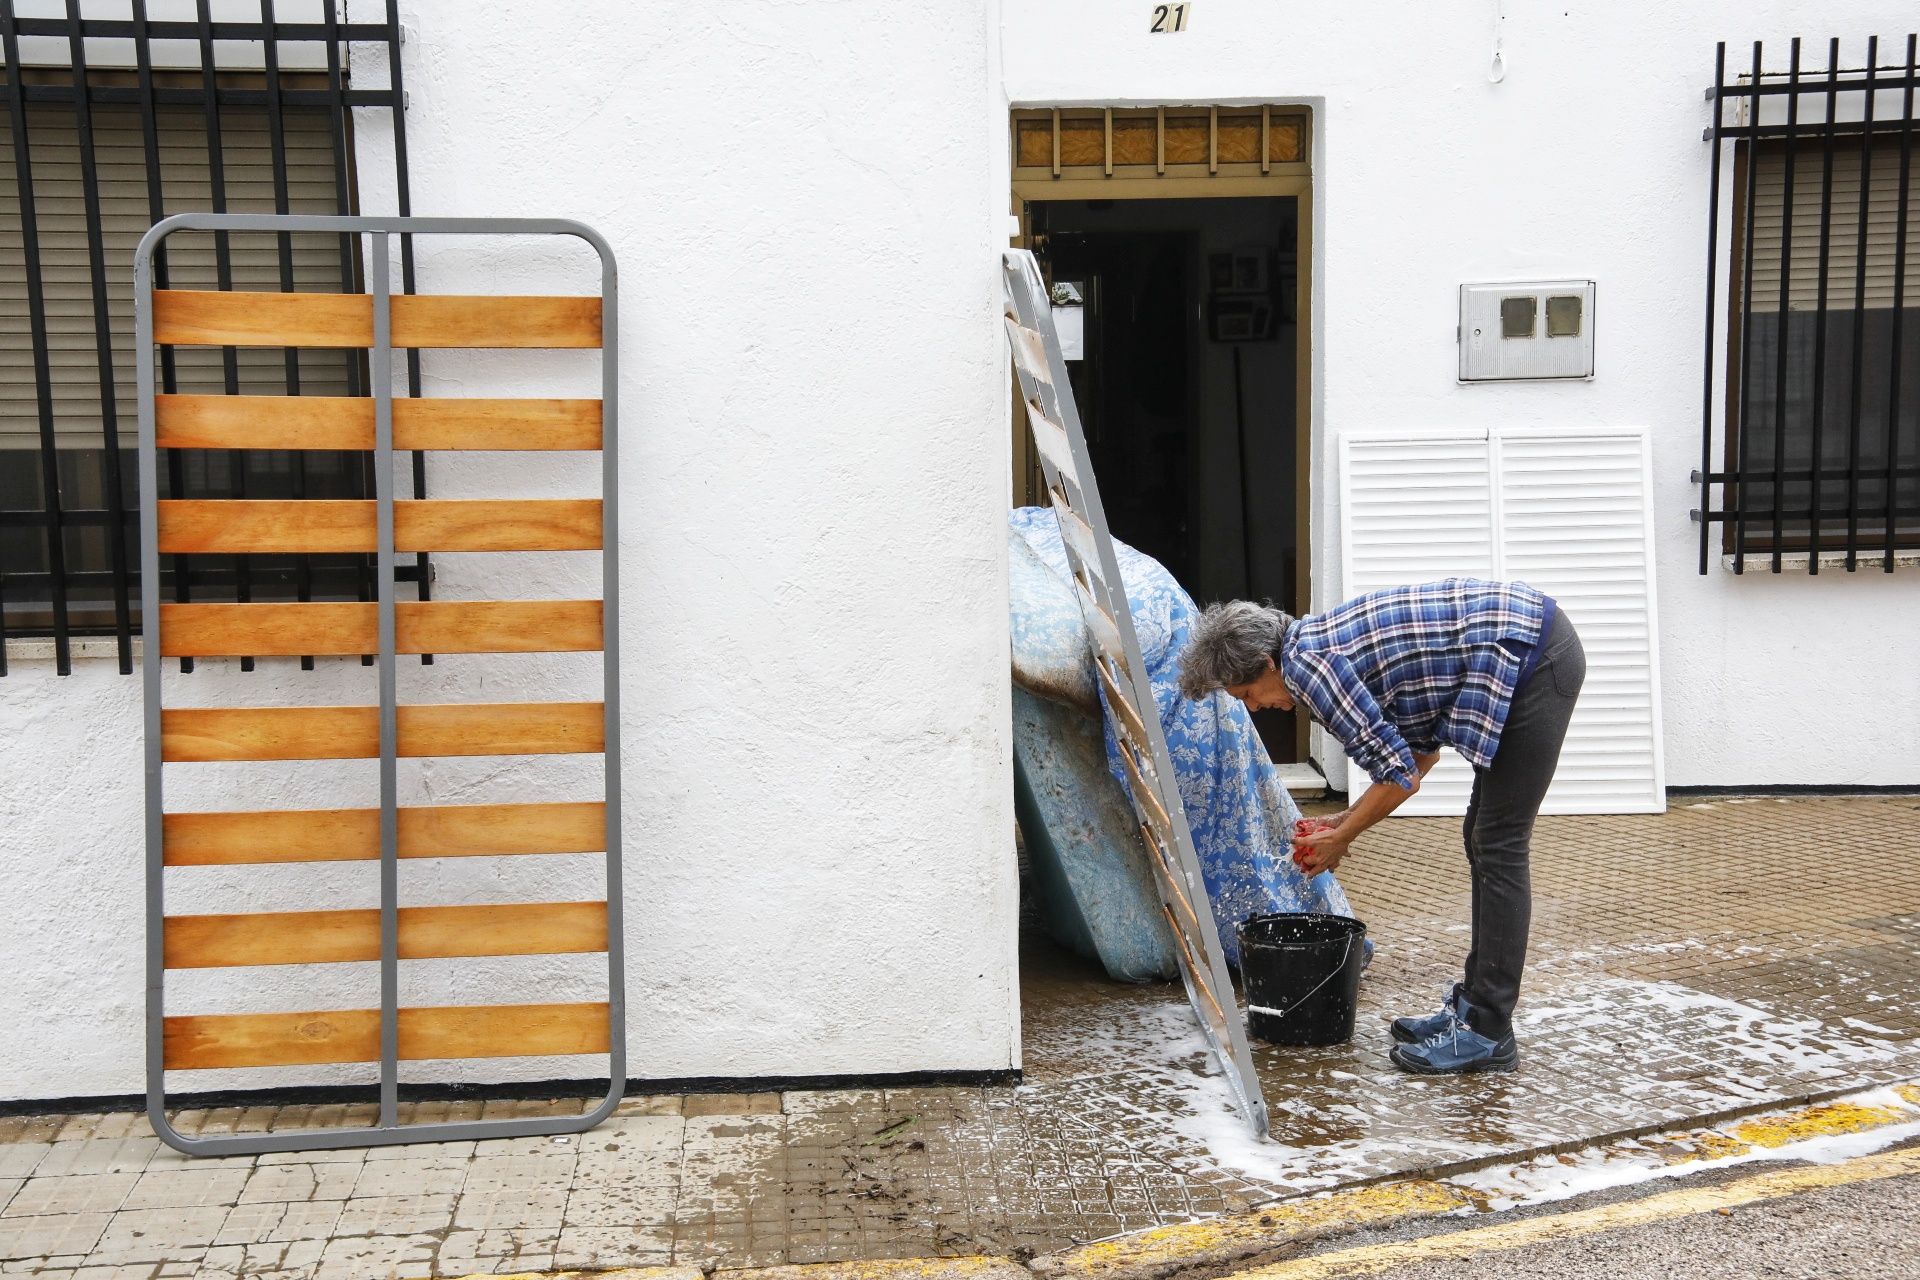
(1488, 312)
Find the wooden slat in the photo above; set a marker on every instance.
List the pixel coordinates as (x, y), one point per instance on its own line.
(1193, 967)
(1075, 531)
(349, 733)
(425, 933)
(1050, 438)
(345, 835)
(442, 320)
(472, 423)
(212, 318)
(1123, 707)
(300, 835)
(346, 422)
(238, 527)
(1171, 878)
(1029, 351)
(467, 830)
(420, 626)
(1145, 800)
(1106, 632)
(203, 1041)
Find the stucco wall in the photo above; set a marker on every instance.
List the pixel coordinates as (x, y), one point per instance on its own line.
(807, 204)
(820, 865)
(1585, 161)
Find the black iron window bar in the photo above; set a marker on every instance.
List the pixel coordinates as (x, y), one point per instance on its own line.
(1860, 468)
(40, 576)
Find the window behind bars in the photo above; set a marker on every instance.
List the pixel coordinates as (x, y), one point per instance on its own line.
(115, 121)
(1820, 456)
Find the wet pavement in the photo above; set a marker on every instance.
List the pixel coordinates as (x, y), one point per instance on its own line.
(1725, 956)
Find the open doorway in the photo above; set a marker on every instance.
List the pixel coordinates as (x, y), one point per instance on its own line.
(1189, 386)
(1178, 244)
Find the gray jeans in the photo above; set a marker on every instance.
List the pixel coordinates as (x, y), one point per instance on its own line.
(1499, 826)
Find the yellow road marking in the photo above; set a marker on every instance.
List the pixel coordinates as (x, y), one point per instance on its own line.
(1373, 1259)
(964, 1268)
(1188, 1244)
(1814, 1122)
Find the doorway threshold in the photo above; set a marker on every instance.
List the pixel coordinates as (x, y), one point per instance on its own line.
(1303, 780)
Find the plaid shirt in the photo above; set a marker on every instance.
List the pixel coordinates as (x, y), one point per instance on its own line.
(1414, 668)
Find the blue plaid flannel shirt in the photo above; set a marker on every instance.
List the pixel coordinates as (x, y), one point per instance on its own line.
(1414, 668)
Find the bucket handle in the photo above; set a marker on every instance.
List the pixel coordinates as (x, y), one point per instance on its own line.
(1337, 970)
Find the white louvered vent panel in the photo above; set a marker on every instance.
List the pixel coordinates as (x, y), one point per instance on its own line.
(1415, 509)
(1572, 515)
(1566, 512)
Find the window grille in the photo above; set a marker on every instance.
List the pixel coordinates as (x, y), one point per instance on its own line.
(1820, 399)
(115, 122)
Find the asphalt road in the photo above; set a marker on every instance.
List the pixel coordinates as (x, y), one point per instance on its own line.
(1860, 1229)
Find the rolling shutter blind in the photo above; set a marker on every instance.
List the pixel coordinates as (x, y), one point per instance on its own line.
(1564, 511)
(1843, 226)
(54, 148)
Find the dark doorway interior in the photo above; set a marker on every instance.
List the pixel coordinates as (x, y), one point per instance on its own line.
(1187, 386)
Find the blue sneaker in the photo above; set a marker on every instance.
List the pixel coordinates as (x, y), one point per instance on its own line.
(1456, 1050)
(1414, 1030)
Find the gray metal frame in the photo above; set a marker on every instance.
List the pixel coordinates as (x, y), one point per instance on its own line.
(388, 1130)
(1207, 982)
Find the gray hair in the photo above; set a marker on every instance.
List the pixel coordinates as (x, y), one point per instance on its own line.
(1230, 645)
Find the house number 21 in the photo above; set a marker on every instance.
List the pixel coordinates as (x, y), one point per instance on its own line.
(1169, 18)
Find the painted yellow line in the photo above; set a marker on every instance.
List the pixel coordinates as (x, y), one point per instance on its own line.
(624, 1273)
(968, 1268)
(1826, 1121)
(1373, 1259)
(1231, 1237)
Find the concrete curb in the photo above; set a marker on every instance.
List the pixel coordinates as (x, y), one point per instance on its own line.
(1273, 1231)
(1283, 1227)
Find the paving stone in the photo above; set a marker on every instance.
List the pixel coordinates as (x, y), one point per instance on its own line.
(396, 1215)
(497, 1252)
(103, 1155)
(77, 1193)
(31, 1128)
(157, 1235)
(376, 1257)
(20, 1159)
(186, 1188)
(522, 1208)
(51, 1235)
(446, 1152)
(418, 1176)
(291, 1260)
(604, 1247)
(658, 1104)
(7, 1187)
(730, 1104)
(300, 1182)
(518, 1172)
(271, 1222)
(617, 1204)
(115, 1124)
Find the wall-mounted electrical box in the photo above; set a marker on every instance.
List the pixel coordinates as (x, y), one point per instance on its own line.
(1538, 329)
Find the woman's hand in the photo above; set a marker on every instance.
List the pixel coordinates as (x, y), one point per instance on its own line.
(1320, 850)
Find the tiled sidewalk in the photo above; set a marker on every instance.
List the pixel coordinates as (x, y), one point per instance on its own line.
(1722, 956)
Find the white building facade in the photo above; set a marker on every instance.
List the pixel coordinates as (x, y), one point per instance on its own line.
(808, 204)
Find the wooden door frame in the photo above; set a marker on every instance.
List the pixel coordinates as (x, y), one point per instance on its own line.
(1294, 180)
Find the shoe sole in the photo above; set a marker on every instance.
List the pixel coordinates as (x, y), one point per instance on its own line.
(1509, 1063)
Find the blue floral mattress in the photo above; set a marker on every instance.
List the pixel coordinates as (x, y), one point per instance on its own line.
(1087, 858)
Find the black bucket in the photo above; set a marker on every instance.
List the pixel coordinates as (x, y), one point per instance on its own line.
(1302, 976)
